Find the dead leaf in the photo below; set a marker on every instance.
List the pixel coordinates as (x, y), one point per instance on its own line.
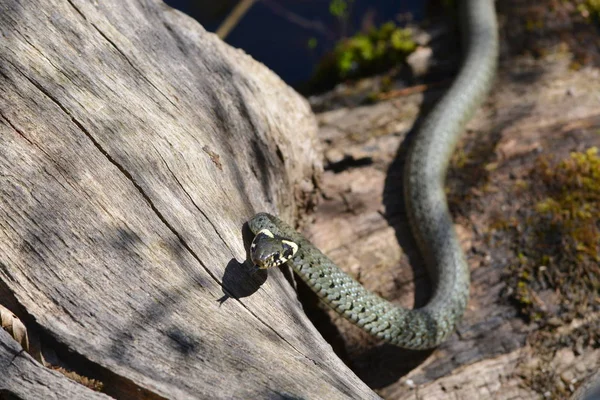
(13, 325)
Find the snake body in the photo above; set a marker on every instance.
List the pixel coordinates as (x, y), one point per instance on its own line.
(427, 208)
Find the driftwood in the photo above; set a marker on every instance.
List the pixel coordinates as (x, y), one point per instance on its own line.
(133, 147)
(23, 377)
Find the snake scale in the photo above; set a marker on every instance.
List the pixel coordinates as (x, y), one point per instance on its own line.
(427, 208)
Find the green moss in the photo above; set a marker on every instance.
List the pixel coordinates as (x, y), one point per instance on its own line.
(378, 49)
(555, 274)
(521, 184)
(561, 246)
(590, 9)
(533, 25)
(338, 8)
(574, 203)
(460, 159)
(365, 54)
(500, 223)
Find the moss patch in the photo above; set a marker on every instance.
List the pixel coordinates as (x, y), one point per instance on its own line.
(573, 206)
(557, 274)
(554, 279)
(364, 54)
(589, 9)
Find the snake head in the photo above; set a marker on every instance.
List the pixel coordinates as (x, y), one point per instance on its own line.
(268, 250)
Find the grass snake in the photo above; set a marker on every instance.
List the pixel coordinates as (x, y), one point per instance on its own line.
(276, 242)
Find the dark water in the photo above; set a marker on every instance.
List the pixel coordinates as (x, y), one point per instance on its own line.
(277, 32)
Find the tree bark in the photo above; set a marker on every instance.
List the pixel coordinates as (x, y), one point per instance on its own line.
(134, 146)
(23, 377)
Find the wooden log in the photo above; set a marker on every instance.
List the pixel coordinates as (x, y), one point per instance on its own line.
(133, 147)
(23, 377)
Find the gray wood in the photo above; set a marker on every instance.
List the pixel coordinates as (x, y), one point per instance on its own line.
(133, 146)
(23, 377)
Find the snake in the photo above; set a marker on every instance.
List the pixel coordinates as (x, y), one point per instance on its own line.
(589, 389)
(276, 243)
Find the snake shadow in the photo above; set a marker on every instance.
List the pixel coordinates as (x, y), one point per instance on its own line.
(384, 364)
(242, 279)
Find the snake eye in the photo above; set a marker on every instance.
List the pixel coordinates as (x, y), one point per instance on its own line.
(289, 249)
(261, 236)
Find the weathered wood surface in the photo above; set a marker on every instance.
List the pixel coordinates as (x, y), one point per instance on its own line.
(133, 147)
(25, 378)
(539, 105)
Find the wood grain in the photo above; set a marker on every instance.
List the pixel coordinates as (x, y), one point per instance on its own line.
(133, 147)
(23, 377)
